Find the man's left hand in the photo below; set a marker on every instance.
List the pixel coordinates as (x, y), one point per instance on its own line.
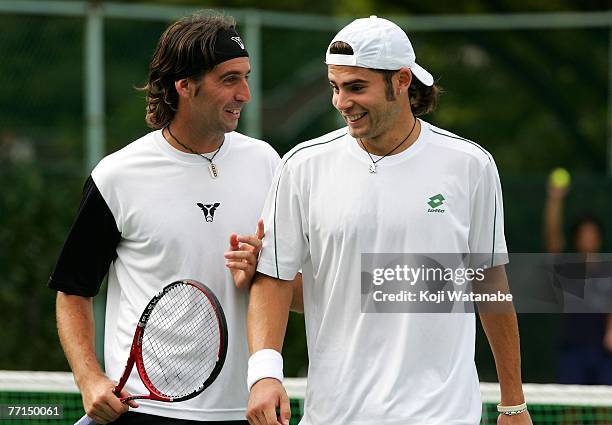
(242, 256)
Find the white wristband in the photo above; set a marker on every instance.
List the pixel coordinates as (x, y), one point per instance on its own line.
(512, 410)
(266, 363)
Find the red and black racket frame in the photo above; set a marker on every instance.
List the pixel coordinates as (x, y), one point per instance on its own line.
(136, 349)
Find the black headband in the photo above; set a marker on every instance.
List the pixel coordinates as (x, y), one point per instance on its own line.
(228, 46)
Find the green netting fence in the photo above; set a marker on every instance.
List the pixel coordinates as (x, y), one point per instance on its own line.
(549, 404)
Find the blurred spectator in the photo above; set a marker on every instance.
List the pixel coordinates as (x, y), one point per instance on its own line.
(15, 150)
(585, 346)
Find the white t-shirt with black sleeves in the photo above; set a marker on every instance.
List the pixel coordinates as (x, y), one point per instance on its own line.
(323, 211)
(140, 221)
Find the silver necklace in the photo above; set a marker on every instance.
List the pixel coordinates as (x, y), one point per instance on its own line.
(372, 167)
(214, 171)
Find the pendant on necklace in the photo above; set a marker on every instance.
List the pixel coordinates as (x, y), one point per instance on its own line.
(372, 168)
(214, 173)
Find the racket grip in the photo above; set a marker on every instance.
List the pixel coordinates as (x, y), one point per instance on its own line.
(85, 420)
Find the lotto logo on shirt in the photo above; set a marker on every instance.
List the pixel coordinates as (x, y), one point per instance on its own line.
(435, 202)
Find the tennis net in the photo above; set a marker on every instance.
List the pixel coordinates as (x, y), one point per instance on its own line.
(548, 404)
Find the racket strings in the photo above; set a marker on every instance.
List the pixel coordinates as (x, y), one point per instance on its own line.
(183, 366)
(181, 341)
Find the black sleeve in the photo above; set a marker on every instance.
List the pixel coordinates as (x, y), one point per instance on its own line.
(90, 247)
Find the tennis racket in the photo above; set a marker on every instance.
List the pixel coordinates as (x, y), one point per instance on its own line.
(179, 346)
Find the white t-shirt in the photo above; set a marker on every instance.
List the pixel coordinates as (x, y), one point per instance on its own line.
(323, 211)
(147, 194)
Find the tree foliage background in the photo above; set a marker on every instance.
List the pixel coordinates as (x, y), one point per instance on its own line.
(536, 99)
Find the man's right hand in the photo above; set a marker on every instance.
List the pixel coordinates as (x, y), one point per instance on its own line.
(266, 395)
(100, 402)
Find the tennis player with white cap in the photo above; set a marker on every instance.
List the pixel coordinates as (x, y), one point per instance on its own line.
(387, 183)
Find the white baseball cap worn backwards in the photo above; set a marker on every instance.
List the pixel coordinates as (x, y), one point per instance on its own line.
(377, 44)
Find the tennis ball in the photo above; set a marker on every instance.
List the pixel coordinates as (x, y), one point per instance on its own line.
(560, 177)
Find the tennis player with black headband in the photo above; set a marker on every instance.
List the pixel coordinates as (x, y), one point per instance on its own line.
(162, 209)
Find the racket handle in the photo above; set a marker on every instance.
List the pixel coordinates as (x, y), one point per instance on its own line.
(85, 420)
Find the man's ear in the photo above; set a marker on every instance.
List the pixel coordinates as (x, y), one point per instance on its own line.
(182, 87)
(404, 77)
